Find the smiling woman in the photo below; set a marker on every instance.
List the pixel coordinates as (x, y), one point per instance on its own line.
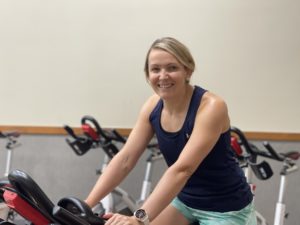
(192, 127)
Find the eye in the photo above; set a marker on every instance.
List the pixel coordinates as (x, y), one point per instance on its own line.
(154, 69)
(172, 68)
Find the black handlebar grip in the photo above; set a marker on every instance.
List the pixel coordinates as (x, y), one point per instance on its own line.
(79, 208)
(70, 131)
(67, 217)
(119, 137)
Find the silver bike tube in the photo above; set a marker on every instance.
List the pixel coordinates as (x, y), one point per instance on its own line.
(108, 203)
(147, 184)
(280, 206)
(126, 198)
(8, 162)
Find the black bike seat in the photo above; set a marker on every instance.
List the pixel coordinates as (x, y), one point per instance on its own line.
(29, 189)
(294, 155)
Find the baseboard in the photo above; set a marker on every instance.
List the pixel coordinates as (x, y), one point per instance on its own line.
(47, 130)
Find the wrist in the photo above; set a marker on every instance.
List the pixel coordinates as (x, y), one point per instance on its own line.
(141, 216)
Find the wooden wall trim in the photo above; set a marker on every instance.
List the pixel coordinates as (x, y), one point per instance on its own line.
(271, 136)
(47, 130)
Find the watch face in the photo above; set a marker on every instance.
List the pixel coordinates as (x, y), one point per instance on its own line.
(140, 213)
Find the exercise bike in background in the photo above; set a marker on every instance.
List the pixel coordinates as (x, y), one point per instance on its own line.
(108, 140)
(248, 154)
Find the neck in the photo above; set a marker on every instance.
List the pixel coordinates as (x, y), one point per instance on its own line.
(180, 103)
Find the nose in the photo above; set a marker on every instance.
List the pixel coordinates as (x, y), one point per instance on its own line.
(163, 74)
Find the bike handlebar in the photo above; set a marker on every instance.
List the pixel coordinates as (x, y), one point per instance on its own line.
(106, 135)
(273, 153)
(9, 134)
(254, 151)
(94, 136)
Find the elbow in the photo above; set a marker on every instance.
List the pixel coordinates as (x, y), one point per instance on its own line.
(183, 172)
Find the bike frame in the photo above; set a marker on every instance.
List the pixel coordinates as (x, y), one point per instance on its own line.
(249, 176)
(280, 211)
(12, 143)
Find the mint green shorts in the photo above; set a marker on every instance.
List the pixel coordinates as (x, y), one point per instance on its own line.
(245, 216)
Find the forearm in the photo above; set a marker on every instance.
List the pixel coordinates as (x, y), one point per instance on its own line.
(118, 168)
(165, 191)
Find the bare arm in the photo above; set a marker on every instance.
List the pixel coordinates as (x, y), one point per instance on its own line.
(211, 121)
(120, 166)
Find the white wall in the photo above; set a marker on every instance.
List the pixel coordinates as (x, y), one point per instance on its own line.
(60, 60)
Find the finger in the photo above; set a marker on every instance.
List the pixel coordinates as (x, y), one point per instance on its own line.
(107, 215)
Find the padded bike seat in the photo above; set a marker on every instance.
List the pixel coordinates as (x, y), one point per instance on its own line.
(25, 186)
(34, 205)
(292, 155)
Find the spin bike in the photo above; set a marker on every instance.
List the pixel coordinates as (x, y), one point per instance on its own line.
(20, 194)
(247, 155)
(96, 137)
(24, 196)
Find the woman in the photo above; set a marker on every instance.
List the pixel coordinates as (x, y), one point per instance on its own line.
(203, 182)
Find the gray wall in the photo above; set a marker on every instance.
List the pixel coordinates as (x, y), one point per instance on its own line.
(59, 172)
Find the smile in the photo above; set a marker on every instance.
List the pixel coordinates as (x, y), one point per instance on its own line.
(165, 85)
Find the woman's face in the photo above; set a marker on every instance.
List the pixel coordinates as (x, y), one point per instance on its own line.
(167, 75)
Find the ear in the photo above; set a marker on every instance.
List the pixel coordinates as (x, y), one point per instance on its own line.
(188, 76)
(188, 73)
(148, 81)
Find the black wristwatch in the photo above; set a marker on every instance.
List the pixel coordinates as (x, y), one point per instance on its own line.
(141, 216)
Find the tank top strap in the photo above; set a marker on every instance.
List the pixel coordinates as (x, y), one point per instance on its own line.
(193, 108)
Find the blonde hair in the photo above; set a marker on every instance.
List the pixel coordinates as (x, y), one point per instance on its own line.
(174, 47)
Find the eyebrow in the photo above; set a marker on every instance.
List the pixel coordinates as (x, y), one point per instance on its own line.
(169, 64)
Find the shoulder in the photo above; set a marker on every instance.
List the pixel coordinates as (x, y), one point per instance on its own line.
(150, 104)
(212, 101)
(213, 109)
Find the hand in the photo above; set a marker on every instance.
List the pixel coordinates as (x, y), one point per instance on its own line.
(118, 219)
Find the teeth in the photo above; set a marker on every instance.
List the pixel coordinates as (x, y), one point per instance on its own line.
(164, 85)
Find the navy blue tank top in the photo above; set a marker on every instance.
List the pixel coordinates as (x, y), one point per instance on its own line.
(218, 184)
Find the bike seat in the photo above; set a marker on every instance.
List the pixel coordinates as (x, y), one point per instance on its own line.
(33, 204)
(29, 191)
(294, 155)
